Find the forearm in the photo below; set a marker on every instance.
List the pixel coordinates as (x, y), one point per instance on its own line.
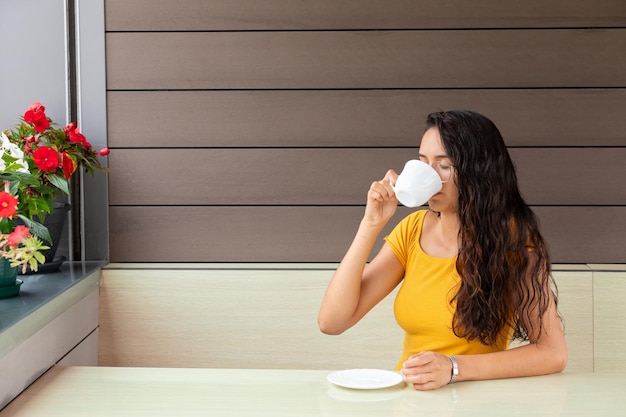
(545, 354)
(342, 297)
(357, 285)
(431, 370)
(528, 360)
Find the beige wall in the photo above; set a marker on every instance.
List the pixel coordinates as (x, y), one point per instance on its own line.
(264, 316)
(248, 131)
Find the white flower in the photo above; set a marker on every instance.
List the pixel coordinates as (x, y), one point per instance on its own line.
(14, 151)
(12, 148)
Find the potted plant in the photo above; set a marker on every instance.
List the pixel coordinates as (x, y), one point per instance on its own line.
(38, 158)
(19, 247)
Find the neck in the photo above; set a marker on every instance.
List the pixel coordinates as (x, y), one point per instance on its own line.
(450, 226)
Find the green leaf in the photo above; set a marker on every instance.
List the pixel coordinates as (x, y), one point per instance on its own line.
(40, 256)
(20, 177)
(60, 182)
(33, 264)
(6, 225)
(37, 229)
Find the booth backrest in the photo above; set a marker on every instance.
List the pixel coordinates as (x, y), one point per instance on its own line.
(265, 316)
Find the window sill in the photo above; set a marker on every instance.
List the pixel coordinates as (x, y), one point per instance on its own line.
(42, 298)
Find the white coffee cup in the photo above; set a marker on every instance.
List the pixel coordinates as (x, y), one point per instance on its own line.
(417, 183)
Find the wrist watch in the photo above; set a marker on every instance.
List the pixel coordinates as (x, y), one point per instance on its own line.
(455, 370)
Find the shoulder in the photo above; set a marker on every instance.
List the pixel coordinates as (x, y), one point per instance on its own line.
(405, 234)
(409, 228)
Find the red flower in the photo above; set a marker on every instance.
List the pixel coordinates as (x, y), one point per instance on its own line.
(18, 235)
(8, 204)
(69, 166)
(37, 116)
(73, 133)
(104, 152)
(46, 159)
(71, 126)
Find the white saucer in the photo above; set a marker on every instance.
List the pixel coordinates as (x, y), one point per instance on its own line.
(365, 378)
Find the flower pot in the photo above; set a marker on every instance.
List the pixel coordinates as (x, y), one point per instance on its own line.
(9, 284)
(55, 222)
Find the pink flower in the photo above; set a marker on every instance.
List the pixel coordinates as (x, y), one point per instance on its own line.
(18, 235)
(104, 152)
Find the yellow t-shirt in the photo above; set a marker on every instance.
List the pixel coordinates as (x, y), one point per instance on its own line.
(422, 306)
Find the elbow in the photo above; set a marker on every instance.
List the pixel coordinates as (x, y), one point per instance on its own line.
(561, 357)
(557, 361)
(328, 326)
(560, 361)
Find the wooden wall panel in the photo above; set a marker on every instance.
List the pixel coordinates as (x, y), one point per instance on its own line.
(354, 118)
(233, 123)
(330, 176)
(577, 234)
(124, 15)
(233, 234)
(366, 59)
(571, 176)
(319, 234)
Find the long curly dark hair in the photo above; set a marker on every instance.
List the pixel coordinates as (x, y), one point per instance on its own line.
(503, 261)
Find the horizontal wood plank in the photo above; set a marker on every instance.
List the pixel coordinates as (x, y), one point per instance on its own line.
(232, 234)
(548, 176)
(124, 15)
(321, 234)
(348, 118)
(369, 59)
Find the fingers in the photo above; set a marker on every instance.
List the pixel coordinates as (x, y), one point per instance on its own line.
(391, 176)
(420, 360)
(381, 201)
(427, 370)
(382, 190)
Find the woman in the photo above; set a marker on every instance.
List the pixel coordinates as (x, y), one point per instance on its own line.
(475, 270)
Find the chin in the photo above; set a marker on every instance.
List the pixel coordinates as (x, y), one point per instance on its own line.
(432, 203)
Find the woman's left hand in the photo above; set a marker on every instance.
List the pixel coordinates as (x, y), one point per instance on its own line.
(427, 370)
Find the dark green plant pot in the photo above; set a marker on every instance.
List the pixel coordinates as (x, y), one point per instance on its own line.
(9, 284)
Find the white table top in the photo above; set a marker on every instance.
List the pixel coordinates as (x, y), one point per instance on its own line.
(100, 391)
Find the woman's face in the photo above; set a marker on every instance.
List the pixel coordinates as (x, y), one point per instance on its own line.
(431, 150)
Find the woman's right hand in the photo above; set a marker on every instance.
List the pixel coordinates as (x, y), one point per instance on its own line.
(381, 200)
